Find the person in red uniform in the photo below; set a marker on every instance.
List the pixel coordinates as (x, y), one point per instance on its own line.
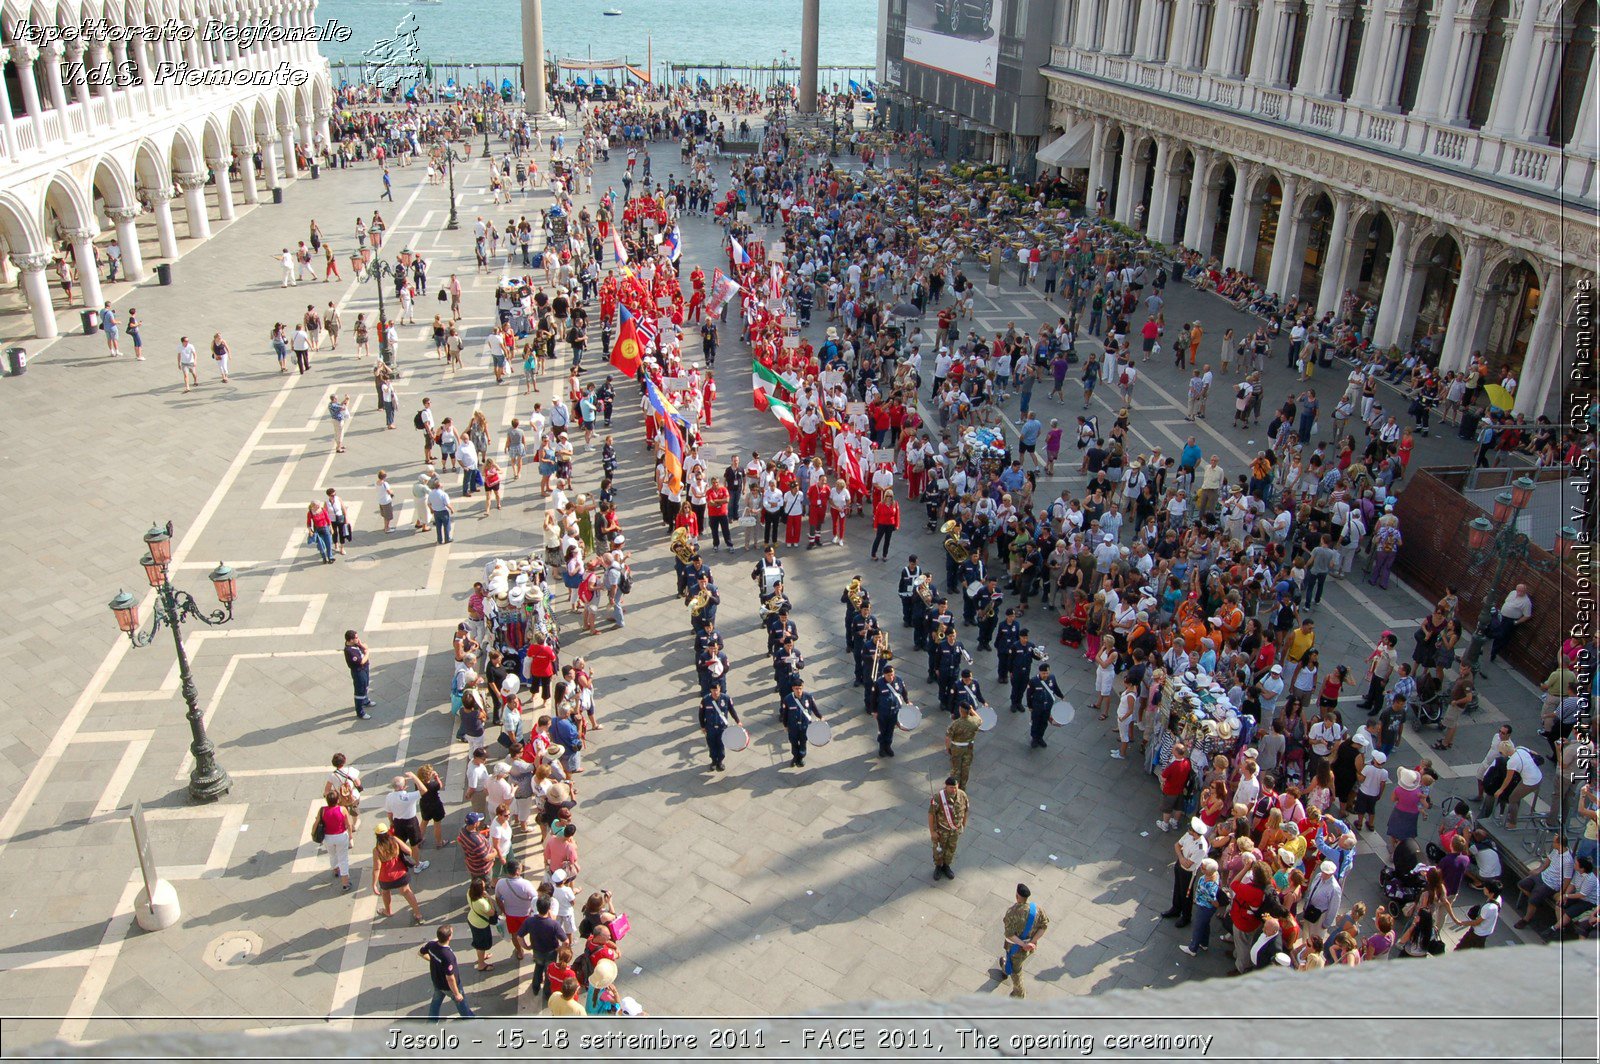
(885, 519)
(817, 506)
(708, 396)
(717, 514)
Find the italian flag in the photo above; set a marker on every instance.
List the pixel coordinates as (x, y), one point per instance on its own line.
(779, 409)
(771, 379)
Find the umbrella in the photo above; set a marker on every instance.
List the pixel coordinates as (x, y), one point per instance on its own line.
(907, 310)
(1498, 397)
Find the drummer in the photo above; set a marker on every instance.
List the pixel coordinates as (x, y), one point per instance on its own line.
(960, 736)
(950, 657)
(890, 697)
(711, 664)
(1043, 693)
(716, 709)
(798, 712)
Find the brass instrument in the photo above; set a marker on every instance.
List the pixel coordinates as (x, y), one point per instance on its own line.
(949, 527)
(924, 590)
(698, 603)
(853, 592)
(681, 545)
(884, 653)
(956, 549)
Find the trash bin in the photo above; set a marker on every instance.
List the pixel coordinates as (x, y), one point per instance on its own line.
(91, 321)
(16, 361)
(163, 273)
(316, 171)
(277, 194)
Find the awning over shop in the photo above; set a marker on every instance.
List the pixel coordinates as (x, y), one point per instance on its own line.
(1070, 150)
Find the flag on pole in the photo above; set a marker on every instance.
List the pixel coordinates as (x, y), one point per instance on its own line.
(674, 243)
(672, 449)
(723, 288)
(766, 377)
(850, 466)
(741, 257)
(627, 354)
(779, 409)
(619, 250)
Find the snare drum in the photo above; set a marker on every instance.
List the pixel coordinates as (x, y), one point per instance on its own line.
(819, 733)
(908, 717)
(1061, 713)
(736, 738)
(987, 717)
(973, 588)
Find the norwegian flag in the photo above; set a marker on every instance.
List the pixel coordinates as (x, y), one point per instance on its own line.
(648, 329)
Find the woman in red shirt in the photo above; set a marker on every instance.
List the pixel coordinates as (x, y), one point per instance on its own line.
(885, 518)
(391, 872)
(541, 665)
(558, 972)
(817, 502)
(717, 512)
(319, 529)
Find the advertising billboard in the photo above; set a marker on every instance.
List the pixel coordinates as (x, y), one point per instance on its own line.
(960, 37)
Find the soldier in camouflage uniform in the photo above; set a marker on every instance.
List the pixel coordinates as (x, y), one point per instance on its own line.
(947, 819)
(958, 740)
(1025, 923)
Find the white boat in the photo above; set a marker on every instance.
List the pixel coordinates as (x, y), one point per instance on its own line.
(612, 12)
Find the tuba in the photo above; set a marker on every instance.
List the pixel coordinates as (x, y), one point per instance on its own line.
(698, 603)
(954, 547)
(681, 545)
(852, 592)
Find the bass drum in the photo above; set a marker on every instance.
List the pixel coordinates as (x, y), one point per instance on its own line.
(987, 717)
(908, 717)
(819, 733)
(736, 738)
(1061, 713)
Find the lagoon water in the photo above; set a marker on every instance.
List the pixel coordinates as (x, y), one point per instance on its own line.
(741, 32)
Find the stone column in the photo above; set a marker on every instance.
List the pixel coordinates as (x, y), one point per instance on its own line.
(8, 129)
(324, 137)
(303, 130)
(1505, 113)
(1541, 367)
(1436, 60)
(1541, 85)
(23, 57)
(36, 286)
(1145, 48)
(1125, 189)
(291, 167)
(50, 52)
(1460, 330)
(1261, 65)
(219, 167)
(1586, 134)
(1164, 193)
(1316, 26)
(247, 173)
(82, 241)
(1097, 163)
(166, 235)
(141, 58)
(126, 220)
(1469, 33)
(533, 58)
(1115, 40)
(194, 204)
(1339, 17)
(1363, 92)
(1397, 282)
(1240, 242)
(77, 54)
(1177, 53)
(1083, 33)
(810, 19)
(1202, 205)
(1284, 236)
(1337, 258)
(269, 161)
(1221, 37)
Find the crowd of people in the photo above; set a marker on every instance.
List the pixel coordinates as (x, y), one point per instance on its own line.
(1172, 574)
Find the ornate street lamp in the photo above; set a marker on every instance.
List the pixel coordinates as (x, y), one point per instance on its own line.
(1499, 539)
(450, 158)
(380, 271)
(207, 779)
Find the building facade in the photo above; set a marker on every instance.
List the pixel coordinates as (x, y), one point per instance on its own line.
(1437, 158)
(113, 121)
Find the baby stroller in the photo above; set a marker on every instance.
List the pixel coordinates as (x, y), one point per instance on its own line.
(1403, 883)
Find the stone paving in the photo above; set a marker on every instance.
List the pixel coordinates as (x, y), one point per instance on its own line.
(762, 890)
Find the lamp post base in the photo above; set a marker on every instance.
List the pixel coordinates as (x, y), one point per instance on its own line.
(210, 786)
